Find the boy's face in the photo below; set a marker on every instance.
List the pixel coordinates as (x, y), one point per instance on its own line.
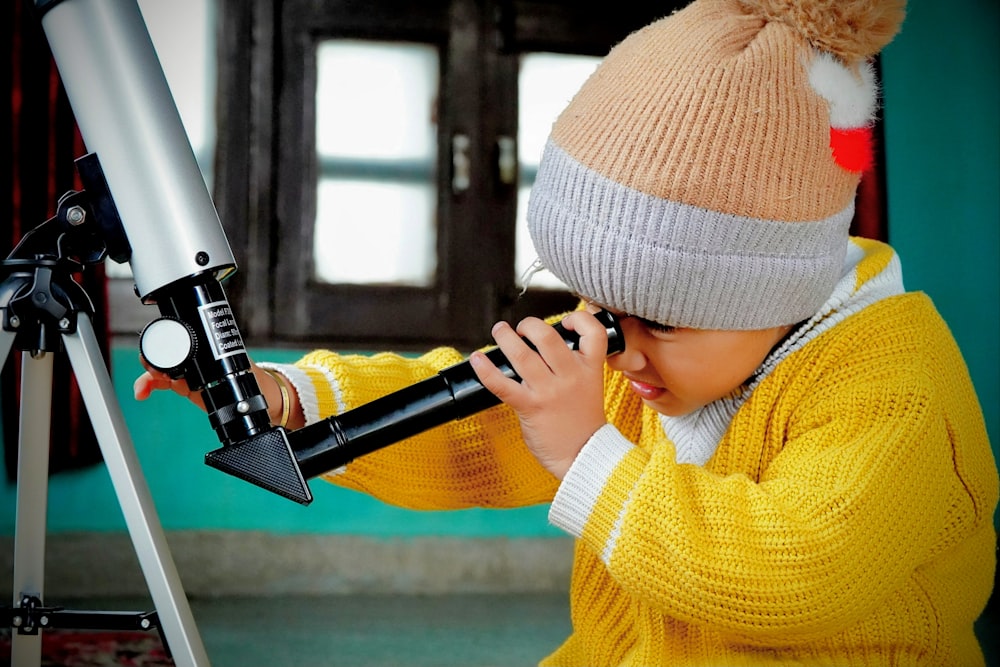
(676, 371)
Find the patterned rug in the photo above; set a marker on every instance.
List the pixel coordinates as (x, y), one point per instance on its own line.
(75, 648)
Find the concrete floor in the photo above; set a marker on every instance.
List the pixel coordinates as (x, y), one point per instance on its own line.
(464, 630)
(461, 630)
(405, 607)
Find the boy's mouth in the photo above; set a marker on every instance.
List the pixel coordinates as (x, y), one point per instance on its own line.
(646, 391)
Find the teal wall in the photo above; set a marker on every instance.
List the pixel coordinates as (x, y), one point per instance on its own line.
(941, 121)
(171, 437)
(942, 128)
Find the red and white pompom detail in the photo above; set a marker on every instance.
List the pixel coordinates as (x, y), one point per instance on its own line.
(853, 99)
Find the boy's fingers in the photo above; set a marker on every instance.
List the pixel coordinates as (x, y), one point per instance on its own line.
(141, 387)
(491, 376)
(147, 383)
(531, 347)
(593, 335)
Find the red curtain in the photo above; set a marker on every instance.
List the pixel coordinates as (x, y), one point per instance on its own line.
(37, 162)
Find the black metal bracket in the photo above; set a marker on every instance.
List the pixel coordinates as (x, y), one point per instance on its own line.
(31, 617)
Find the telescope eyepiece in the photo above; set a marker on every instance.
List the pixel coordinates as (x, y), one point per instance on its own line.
(612, 326)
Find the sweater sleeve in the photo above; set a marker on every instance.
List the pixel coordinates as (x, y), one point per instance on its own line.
(477, 461)
(855, 499)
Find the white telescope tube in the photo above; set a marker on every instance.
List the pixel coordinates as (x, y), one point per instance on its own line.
(127, 115)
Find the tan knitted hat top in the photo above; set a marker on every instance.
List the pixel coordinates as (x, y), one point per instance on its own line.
(704, 176)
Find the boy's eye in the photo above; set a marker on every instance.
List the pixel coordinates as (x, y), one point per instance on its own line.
(650, 325)
(656, 326)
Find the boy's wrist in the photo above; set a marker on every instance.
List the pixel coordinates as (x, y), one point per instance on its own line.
(586, 478)
(279, 408)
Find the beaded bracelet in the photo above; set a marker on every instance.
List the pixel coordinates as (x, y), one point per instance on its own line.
(285, 403)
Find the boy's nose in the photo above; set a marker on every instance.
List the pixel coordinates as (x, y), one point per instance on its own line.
(632, 358)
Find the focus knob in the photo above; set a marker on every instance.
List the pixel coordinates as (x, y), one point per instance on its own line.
(168, 344)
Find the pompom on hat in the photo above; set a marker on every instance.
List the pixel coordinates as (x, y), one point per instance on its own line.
(704, 175)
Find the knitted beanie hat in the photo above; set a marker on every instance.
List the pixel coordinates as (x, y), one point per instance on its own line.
(704, 176)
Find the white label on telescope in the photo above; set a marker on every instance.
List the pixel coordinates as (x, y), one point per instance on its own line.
(220, 329)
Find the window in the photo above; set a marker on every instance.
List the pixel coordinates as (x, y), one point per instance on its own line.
(374, 161)
(376, 147)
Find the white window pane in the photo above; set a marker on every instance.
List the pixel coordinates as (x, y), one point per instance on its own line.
(374, 232)
(546, 83)
(376, 100)
(376, 145)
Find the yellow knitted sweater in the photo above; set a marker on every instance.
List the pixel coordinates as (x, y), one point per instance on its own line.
(845, 516)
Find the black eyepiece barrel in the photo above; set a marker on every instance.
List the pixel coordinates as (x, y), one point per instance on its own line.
(455, 392)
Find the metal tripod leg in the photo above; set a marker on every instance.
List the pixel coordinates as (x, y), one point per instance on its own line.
(32, 495)
(133, 495)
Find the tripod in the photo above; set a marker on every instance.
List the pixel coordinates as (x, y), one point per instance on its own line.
(45, 311)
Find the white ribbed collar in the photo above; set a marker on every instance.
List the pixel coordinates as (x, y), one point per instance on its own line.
(697, 435)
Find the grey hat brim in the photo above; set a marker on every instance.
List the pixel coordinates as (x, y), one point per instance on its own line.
(675, 263)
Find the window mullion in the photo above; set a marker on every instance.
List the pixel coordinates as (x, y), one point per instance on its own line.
(500, 119)
(467, 219)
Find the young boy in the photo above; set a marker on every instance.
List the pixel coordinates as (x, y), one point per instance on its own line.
(788, 463)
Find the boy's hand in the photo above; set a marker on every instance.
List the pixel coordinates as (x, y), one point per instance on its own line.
(153, 380)
(560, 399)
